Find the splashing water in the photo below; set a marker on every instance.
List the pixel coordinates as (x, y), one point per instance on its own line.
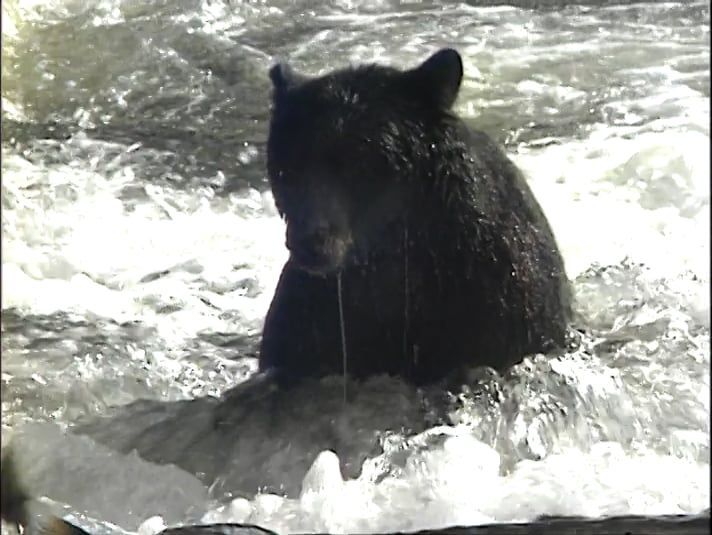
(141, 248)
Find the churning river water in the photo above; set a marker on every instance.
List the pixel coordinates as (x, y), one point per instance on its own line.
(140, 250)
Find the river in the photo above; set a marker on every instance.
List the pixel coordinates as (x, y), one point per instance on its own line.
(141, 248)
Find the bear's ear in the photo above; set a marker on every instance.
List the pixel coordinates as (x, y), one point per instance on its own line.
(283, 78)
(438, 78)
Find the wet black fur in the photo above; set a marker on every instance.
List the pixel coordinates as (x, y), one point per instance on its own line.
(372, 155)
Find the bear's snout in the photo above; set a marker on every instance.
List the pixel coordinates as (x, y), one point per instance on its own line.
(320, 248)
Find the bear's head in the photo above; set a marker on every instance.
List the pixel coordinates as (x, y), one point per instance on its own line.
(346, 150)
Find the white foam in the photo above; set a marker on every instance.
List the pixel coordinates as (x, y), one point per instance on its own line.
(610, 198)
(151, 526)
(89, 255)
(460, 483)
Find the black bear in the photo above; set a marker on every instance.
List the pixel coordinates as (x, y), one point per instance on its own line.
(422, 230)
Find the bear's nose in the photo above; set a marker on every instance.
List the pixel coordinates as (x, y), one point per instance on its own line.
(319, 235)
(312, 240)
